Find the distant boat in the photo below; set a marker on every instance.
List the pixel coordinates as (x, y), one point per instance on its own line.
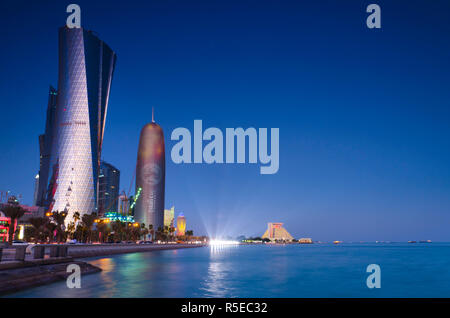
(427, 241)
(412, 241)
(337, 242)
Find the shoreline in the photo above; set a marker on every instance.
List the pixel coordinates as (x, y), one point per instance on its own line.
(21, 278)
(18, 276)
(86, 251)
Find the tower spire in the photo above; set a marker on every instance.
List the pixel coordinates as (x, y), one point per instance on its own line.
(153, 114)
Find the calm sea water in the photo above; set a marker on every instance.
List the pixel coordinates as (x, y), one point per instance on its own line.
(318, 270)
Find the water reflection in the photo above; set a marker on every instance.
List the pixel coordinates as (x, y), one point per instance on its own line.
(217, 250)
(218, 281)
(107, 265)
(130, 274)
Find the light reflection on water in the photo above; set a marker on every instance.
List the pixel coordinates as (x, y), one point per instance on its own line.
(216, 283)
(317, 270)
(107, 265)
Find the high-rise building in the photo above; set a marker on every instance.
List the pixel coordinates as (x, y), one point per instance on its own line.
(108, 188)
(45, 148)
(276, 231)
(150, 177)
(124, 204)
(36, 189)
(169, 216)
(181, 225)
(86, 66)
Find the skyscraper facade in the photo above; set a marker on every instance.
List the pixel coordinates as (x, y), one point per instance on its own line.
(108, 188)
(86, 66)
(150, 177)
(169, 217)
(45, 148)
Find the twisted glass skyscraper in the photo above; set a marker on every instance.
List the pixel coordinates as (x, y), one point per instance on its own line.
(86, 66)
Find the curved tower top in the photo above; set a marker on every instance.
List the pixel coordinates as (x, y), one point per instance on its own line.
(150, 176)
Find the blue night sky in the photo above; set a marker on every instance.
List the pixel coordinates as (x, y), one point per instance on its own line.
(364, 115)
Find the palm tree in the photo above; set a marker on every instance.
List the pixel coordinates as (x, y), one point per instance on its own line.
(152, 231)
(88, 221)
(14, 212)
(135, 233)
(102, 231)
(189, 233)
(122, 230)
(58, 218)
(172, 232)
(76, 217)
(144, 231)
(159, 233)
(50, 229)
(38, 229)
(166, 232)
(71, 229)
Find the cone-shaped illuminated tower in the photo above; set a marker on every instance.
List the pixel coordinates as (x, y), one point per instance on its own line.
(181, 225)
(150, 176)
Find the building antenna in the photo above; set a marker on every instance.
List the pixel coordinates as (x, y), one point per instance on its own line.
(153, 114)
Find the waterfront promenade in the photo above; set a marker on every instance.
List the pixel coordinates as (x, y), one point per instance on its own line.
(10, 258)
(90, 250)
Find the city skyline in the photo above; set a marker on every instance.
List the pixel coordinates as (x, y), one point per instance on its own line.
(363, 114)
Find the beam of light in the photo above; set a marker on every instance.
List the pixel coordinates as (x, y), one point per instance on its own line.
(222, 242)
(219, 216)
(214, 211)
